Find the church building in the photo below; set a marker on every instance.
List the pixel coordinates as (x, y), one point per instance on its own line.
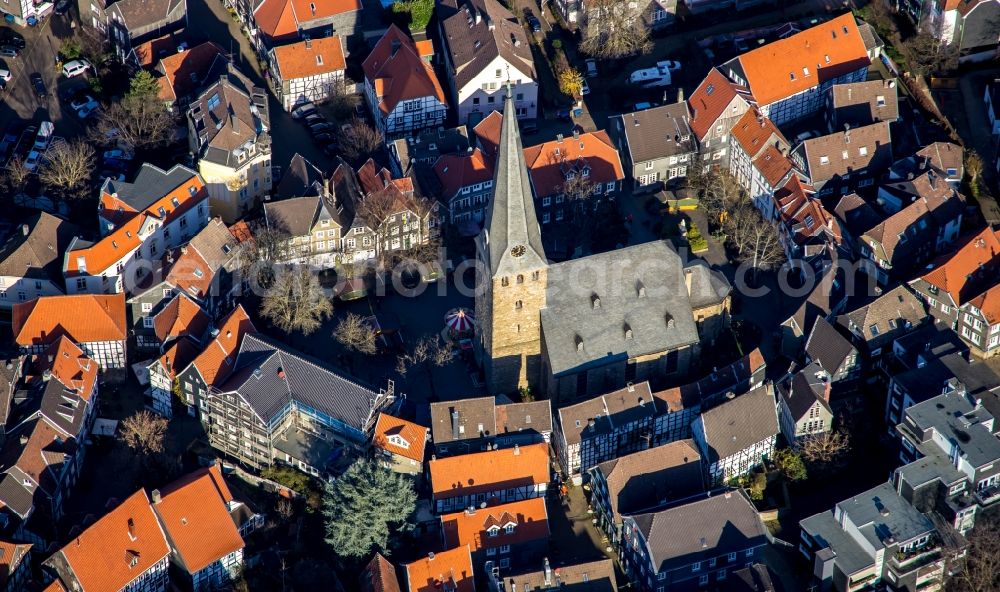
(589, 325)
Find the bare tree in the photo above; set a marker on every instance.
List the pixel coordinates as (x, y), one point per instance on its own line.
(356, 335)
(614, 30)
(824, 448)
(342, 103)
(67, 167)
(16, 174)
(144, 432)
(296, 302)
(981, 569)
(973, 165)
(139, 119)
(257, 258)
(717, 190)
(927, 52)
(358, 140)
(375, 210)
(428, 353)
(753, 238)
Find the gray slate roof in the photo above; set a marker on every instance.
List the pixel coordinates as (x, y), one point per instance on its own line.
(957, 420)
(740, 423)
(827, 346)
(592, 302)
(510, 220)
(215, 243)
(517, 417)
(850, 556)
(238, 116)
(709, 527)
(864, 103)
(651, 478)
(657, 133)
(481, 31)
(881, 513)
(595, 416)
(256, 378)
(468, 415)
(898, 305)
(37, 254)
(803, 389)
(301, 179)
(294, 216)
(151, 183)
(144, 14)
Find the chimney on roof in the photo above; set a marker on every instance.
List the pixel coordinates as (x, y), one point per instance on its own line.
(131, 529)
(547, 570)
(25, 229)
(430, 556)
(454, 423)
(309, 43)
(23, 440)
(281, 373)
(156, 496)
(559, 138)
(687, 279)
(479, 17)
(517, 450)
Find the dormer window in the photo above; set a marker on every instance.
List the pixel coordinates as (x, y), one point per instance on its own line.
(579, 343)
(628, 331)
(595, 301)
(509, 528)
(791, 75)
(397, 440)
(805, 71)
(493, 530)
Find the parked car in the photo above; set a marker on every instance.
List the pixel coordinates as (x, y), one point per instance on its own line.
(318, 128)
(39, 85)
(584, 88)
(654, 77)
(8, 51)
(643, 106)
(323, 137)
(62, 6)
(118, 153)
(44, 136)
(75, 68)
(11, 37)
(528, 126)
(5, 75)
(115, 163)
(114, 175)
(31, 163)
(303, 110)
(314, 119)
(88, 109)
(591, 68)
(81, 102)
(535, 24)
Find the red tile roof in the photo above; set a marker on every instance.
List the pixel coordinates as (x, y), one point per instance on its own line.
(951, 273)
(185, 71)
(100, 558)
(379, 576)
(84, 318)
(11, 556)
(283, 18)
(310, 58)
(548, 162)
(483, 472)
(709, 101)
(70, 366)
(177, 356)
(989, 303)
(216, 361)
(488, 133)
(486, 528)
(453, 567)
(125, 238)
(773, 165)
(181, 316)
(795, 64)
(754, 132)
(397, 72)
(389, 429)
(194, 512)
(455, 171)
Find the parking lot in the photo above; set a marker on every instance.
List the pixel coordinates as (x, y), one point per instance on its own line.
(20, 101)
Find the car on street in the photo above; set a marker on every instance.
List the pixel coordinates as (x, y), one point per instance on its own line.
(39, 85)
(535, 24)
(591, 68)
(8, 51)
(88, 109)
(303, 110)
(314, 119)
(11, 37)
(5, 74)
(584, 88)
(643, 106)
(75, 68)
(79, 102)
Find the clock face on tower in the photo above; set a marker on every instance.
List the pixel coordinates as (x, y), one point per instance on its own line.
(517, 250)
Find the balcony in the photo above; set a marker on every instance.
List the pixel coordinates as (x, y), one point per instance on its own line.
(908, 561)
(988, 495)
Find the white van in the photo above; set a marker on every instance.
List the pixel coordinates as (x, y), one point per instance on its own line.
(44, 137)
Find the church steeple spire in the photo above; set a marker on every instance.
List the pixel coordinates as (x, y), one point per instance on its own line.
(511, 238)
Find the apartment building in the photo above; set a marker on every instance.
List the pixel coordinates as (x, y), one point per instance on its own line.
(31, 259)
